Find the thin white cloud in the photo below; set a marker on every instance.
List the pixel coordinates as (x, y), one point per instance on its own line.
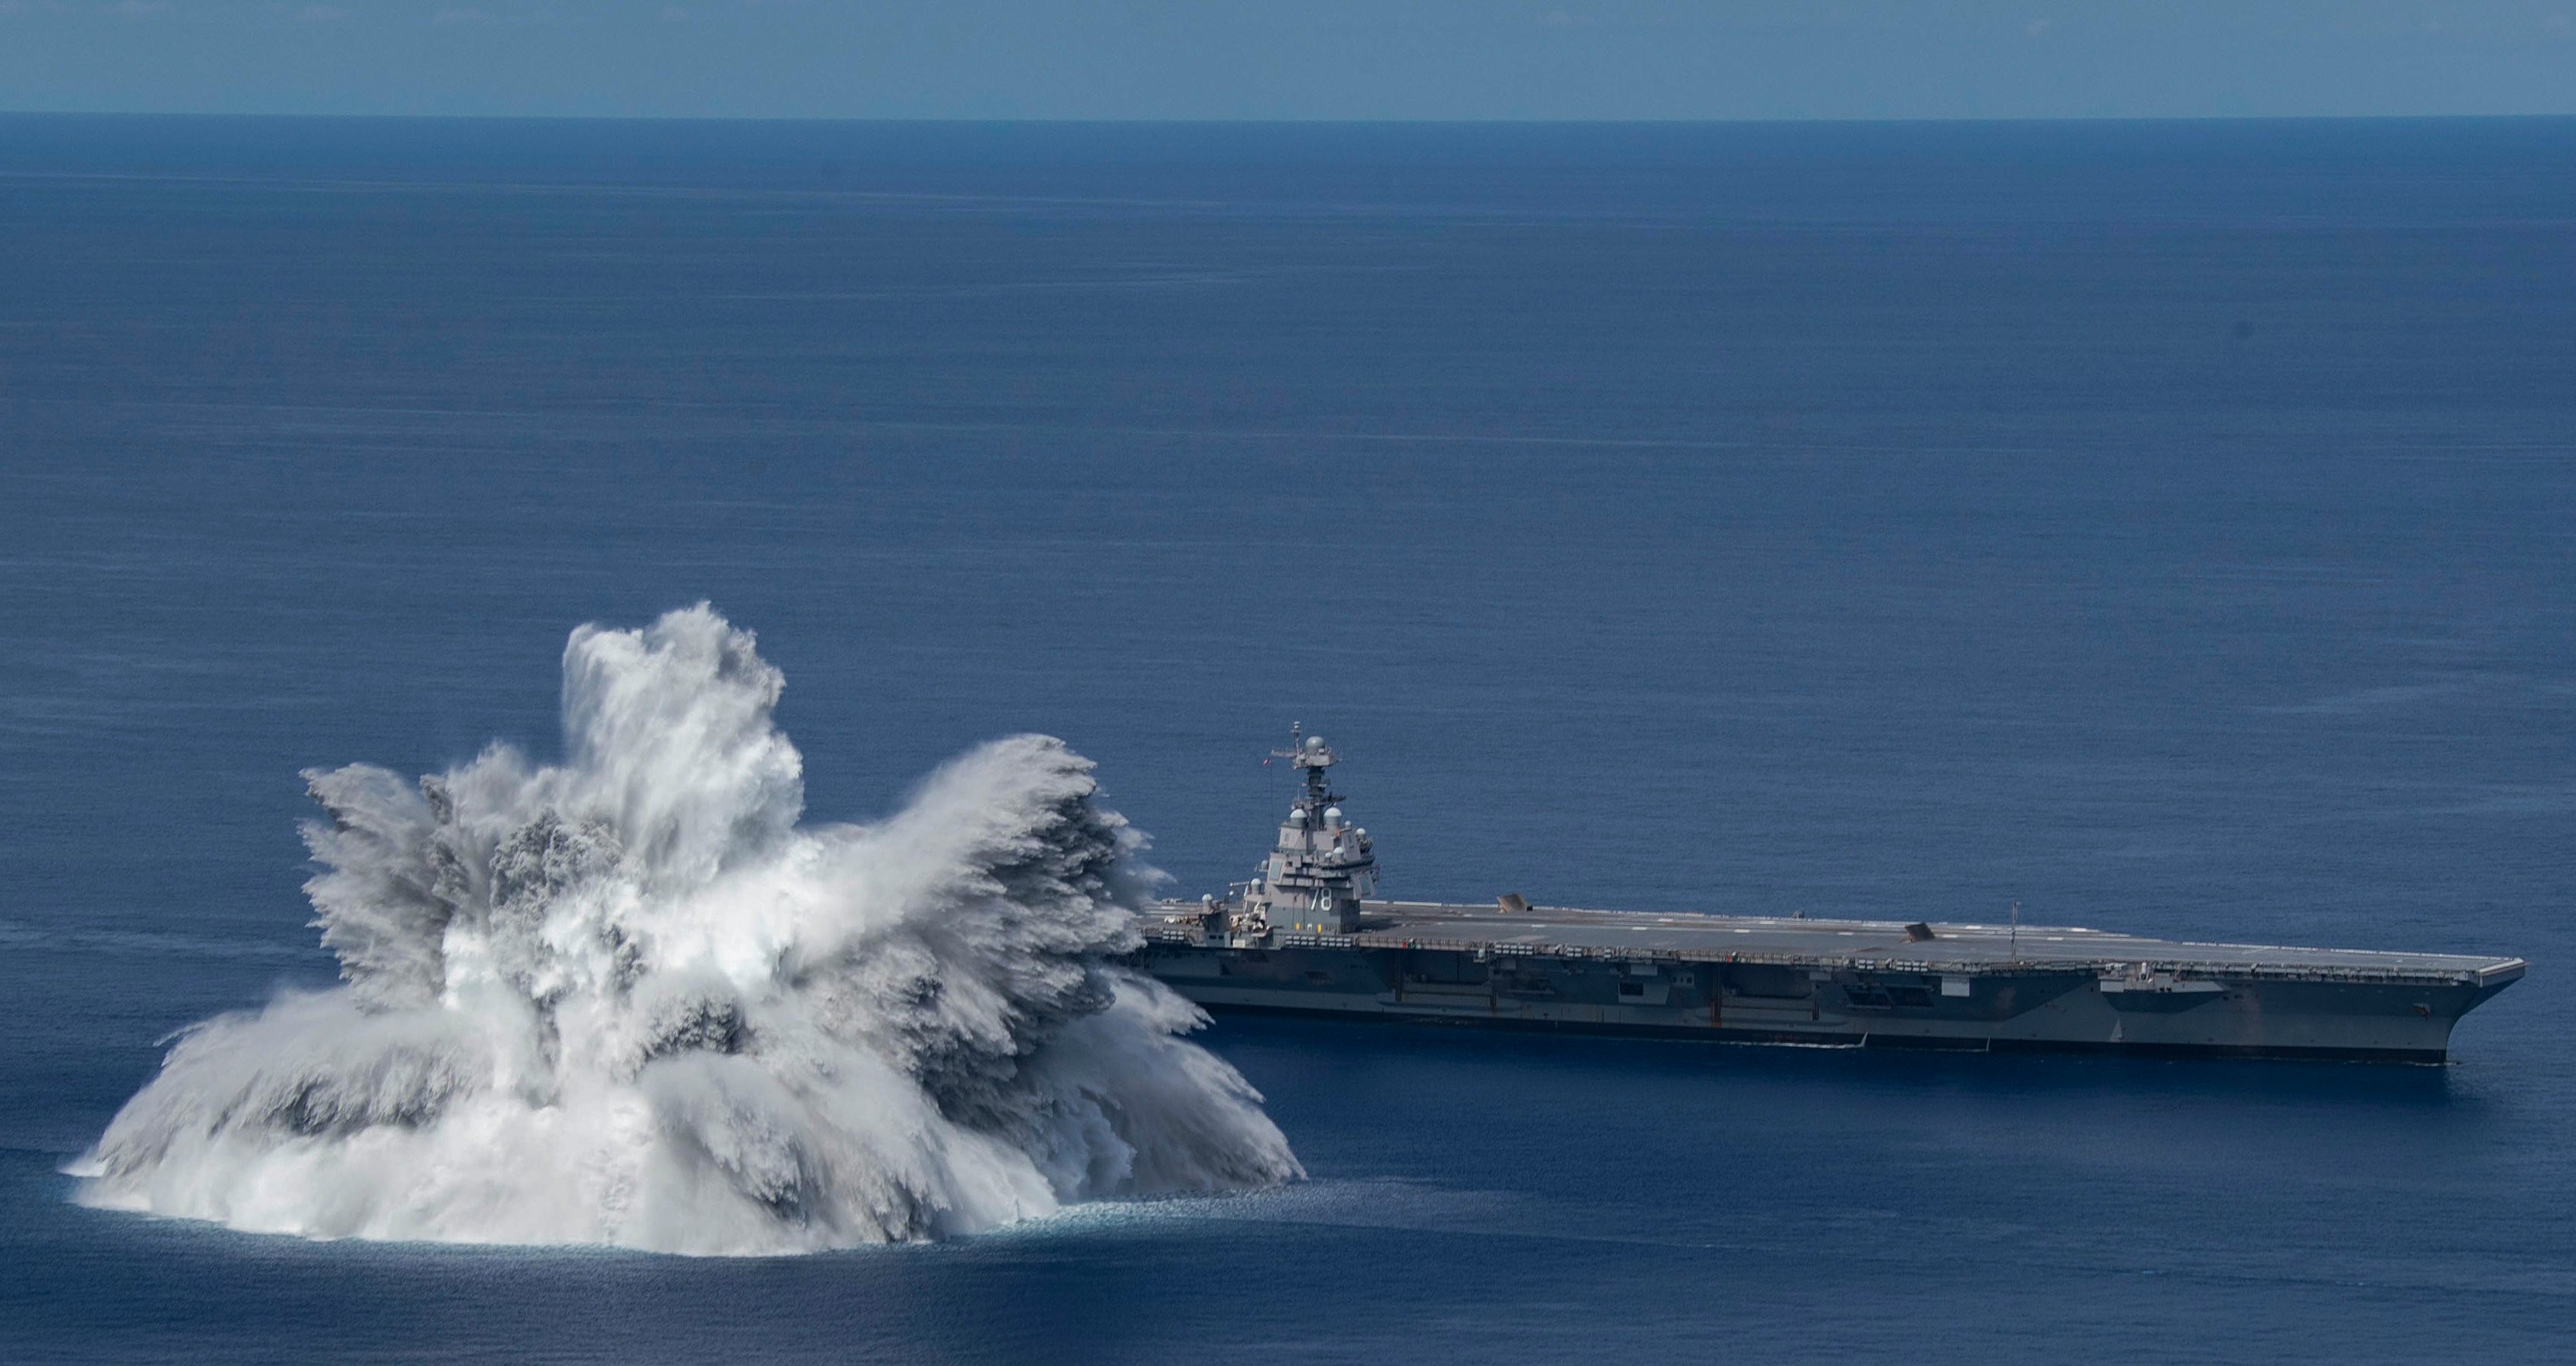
(477, 16)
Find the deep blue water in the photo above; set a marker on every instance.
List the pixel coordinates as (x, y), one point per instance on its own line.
(2169, 527)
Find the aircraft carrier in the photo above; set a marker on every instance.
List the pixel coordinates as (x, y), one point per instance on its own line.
(1306, 937)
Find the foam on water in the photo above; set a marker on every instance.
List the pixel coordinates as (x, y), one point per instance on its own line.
(630, 1000)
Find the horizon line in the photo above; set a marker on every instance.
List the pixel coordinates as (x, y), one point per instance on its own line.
(1260, 121)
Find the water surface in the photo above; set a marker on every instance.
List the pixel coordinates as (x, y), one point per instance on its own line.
(2166, 527)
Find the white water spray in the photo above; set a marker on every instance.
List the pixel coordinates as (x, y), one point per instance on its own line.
(629, 1000)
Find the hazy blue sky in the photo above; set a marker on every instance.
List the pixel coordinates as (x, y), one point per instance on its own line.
(1319, 59)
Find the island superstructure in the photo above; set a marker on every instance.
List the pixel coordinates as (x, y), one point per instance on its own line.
(1307, 936)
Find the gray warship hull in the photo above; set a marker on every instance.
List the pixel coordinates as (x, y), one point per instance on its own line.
(1881, 984)
(1307, 936)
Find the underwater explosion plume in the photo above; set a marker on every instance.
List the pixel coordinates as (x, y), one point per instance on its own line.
(629, 1000)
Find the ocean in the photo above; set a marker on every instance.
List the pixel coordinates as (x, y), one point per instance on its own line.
(2168, 527)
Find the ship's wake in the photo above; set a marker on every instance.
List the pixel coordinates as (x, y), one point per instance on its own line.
(629, 1000)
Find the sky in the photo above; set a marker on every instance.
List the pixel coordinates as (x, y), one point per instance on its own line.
(1292, 59)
